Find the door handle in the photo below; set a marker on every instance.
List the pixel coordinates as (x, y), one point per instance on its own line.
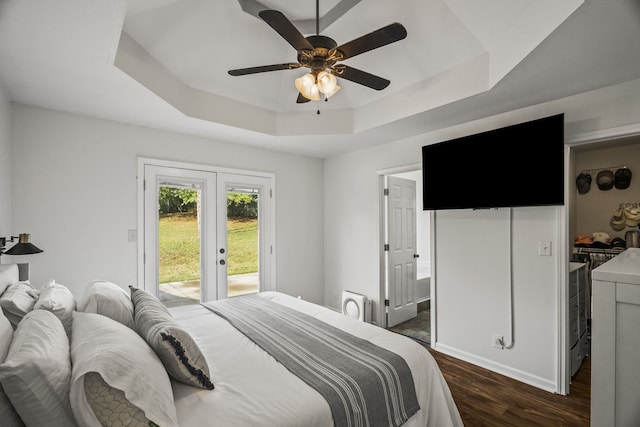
(416, 255)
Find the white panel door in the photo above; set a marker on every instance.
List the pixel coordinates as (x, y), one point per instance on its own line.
(402, 255)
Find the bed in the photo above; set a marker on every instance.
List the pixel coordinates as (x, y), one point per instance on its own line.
(242, 382)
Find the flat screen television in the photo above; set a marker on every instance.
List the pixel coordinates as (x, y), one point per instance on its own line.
(514, 166)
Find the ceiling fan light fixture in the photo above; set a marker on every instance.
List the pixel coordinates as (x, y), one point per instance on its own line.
(307, 87)
(314, 93)
(336, 88)
(326, 82)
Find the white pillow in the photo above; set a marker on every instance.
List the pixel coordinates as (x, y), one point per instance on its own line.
(17, 300)
(107, 298)
(59, 300)
(126, 363)
(8, 414)
(9, 274)
(6, 335)
(37, 371)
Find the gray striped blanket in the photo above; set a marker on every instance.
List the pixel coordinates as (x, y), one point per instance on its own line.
(364, 385)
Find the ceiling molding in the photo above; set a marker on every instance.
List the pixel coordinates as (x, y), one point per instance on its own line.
(603, 135)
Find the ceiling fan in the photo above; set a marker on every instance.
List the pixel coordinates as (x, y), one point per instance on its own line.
(321, 54)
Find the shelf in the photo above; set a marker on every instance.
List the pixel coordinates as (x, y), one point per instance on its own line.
(588, 250)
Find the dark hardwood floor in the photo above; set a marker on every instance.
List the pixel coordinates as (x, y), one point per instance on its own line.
(485, 398)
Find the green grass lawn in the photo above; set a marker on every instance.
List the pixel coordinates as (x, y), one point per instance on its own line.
(179, 245)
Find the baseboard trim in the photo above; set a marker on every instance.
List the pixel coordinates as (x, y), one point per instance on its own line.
(491, 365)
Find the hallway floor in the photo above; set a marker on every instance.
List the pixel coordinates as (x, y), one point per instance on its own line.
(420, 326)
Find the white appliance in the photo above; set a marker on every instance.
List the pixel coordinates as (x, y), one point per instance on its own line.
(356, 306)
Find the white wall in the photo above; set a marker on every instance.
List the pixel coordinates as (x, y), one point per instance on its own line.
(464, 324)
(74, 181)
(5, 165)
(473, 250)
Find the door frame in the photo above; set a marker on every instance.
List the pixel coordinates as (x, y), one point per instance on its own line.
(269, 262)
(571, 141)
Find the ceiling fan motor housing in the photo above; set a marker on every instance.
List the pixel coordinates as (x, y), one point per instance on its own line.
(322, 56)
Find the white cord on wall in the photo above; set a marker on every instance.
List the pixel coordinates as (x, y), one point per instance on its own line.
(511, 337)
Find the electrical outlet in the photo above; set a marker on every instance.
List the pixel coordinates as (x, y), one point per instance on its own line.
(498, 341)
(544, 248)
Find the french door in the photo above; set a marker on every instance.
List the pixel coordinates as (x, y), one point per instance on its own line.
(204, 255)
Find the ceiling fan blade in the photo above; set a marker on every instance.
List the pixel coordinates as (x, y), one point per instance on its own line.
(286, 29)
(381, 37)
(264, 68)
(361, 77)
(301, 99)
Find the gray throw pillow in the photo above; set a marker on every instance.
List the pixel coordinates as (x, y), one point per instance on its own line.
(175, 347)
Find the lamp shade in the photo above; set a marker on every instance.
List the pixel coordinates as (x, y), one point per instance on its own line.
(307, 87)
(326, 82)
(23, 247)
(335, 89)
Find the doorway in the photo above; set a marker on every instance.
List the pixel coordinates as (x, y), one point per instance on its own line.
(207, 233)
(420, 324)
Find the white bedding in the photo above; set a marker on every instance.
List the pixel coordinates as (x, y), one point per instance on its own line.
(253, 389)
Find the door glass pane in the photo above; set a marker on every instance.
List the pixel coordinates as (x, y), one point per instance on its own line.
(179, 244)
(242, 241)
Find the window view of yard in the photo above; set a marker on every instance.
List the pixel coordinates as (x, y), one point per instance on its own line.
(179, 245)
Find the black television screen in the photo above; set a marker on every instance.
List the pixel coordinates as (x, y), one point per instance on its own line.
(517, 165)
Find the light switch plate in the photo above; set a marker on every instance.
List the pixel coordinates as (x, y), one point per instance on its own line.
(544, 248)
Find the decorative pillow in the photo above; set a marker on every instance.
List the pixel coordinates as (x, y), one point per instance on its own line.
(35, 376)
(59, 300)
(127, 366)
(17, 300)
(8, 414)
(9, 274)
(107, 298)
(176, 348)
